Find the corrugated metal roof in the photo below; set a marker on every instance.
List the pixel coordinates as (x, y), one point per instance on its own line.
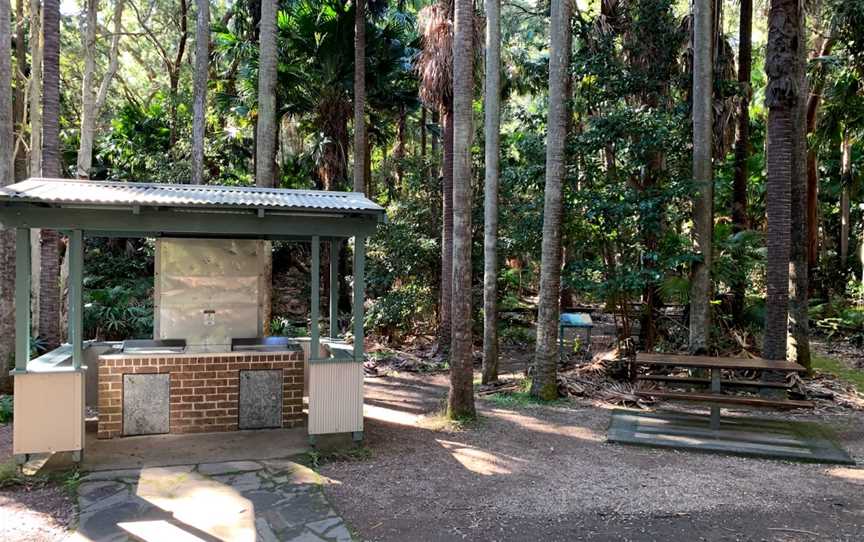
(75, 192)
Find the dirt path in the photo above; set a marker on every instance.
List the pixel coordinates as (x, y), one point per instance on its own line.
(546, 473)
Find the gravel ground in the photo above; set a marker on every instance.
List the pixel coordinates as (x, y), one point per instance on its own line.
(39, 511)
(542, 472)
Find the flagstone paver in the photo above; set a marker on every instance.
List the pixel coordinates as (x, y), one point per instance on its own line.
(235, 501)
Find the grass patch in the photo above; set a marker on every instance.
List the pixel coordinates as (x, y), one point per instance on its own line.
(315, 459)
(838, 369)
(521, 398)
(9, 475)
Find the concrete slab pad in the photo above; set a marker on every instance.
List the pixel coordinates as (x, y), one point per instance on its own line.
(753, 437)
(167, 450)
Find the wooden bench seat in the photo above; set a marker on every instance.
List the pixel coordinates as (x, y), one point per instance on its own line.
(726, 399)
(707, 362)
(707, 381)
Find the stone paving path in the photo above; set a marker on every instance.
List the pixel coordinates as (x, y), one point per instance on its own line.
(266, 501)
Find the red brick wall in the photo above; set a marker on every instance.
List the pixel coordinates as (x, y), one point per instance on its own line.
(204, 388)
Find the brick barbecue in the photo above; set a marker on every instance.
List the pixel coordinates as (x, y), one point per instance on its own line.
(204, 388)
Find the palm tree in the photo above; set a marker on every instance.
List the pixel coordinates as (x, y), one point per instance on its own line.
(782, 97)
(461, 397)
(742, 145)
(435, 70)
(265, 145)
(490, 202)
(703, 203)
(798, 340)
(360, 96)
(199, 101)
(49, 278)
(265, 152)
(7, 171)
(544, 383)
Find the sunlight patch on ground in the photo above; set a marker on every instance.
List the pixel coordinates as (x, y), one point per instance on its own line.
(202, 503)
(158, 530)
(540, 426)
(480, 461)
(390, 415)
(854, 476)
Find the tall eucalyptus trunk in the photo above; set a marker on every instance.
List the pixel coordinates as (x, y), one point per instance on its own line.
(19, 105)
(265, 152)
(360, 142)
(782, 99)
(846, 180)
(88, 93)
(35, 106)
(814, 100)
(492, 110)
(92, 99)
(7, 174)
(703, 202)
(445, 310)
(35, 158)
(740, 221)
(199, 90)
(49, 278)
(544, 383)
(461, 397)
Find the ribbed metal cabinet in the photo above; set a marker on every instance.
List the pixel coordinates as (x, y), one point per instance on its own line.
(335, 397)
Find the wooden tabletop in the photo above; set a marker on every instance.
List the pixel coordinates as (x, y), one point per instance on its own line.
(708, 362)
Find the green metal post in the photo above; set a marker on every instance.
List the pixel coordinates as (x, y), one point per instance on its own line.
(22, 299)
(359, 294)
(334, 288)
(316, 296)
(76, 296)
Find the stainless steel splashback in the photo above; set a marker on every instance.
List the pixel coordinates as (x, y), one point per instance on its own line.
(208, 291)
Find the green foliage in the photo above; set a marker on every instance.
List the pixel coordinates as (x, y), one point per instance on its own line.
(6, 408)
(397, 311)
(284, 327)
(118, 313)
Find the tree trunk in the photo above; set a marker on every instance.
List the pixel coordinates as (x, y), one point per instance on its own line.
(199, 100)
(447, 231)
(846, 180)
(490, 203)
(265, 153)
(422, 130)
(49, 279)
(35, 167)
(92, 101)
(360, 96)
(7, 173)
(19, 106)
(740, 221)
(88, 94)
(798, 342)
(174, 70)
(703, 203)
(782, 96)
(544, 383)
(35, 89)
(461, 397)
(813, 103)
